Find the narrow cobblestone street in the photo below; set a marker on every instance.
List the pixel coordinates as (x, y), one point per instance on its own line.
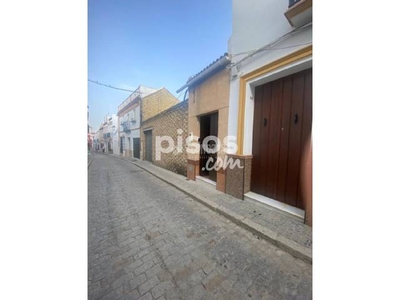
(147, 240)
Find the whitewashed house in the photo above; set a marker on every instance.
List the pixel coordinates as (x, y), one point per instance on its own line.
(108, 135)
(129, 122)
(96, 141)
(141, 105)
(112, 134)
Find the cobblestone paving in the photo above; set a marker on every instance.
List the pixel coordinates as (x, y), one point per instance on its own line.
(147, 240)
(289, 228)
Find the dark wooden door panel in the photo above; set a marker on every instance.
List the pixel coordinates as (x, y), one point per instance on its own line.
(284, 142)
(295, 139)
(274, 137)
(264, 136)
(257, 123)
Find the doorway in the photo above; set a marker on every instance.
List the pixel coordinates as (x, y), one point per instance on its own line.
(282, 125)
(136, 148)
(148, 136)
(208, 127)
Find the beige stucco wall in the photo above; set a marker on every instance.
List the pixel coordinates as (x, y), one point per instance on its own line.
(211, 95)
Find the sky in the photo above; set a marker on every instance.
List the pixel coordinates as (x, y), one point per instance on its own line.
(156, 43)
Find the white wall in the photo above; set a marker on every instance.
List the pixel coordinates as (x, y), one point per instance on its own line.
(115, 134)
(141, 91)
(135, 131)
(133, 113)
(256, 23)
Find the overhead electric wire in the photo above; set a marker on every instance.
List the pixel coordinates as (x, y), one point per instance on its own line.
(278, 48)
(112, 87)
(271, 45)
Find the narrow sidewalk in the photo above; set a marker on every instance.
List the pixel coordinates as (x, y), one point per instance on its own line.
(287, 233)
(90, 159)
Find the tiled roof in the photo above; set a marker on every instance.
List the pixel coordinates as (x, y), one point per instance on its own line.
(225, 55)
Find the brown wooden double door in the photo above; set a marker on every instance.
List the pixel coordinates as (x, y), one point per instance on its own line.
(282, 125)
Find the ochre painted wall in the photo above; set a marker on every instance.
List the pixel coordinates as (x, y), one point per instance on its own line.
(209, 96)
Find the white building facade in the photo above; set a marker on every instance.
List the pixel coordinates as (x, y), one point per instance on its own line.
(130, 122)
(96, 141)
(110, 134)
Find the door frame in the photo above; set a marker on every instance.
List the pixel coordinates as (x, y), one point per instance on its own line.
(275, 174)
(295, 62)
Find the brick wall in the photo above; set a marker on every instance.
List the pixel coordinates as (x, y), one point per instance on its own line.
(167, 123)
(156, 103)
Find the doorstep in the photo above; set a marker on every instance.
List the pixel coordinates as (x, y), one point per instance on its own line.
(289, 234)
(286, 209)
(206, 180)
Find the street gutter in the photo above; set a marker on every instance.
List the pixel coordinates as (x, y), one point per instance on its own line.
(90, 162)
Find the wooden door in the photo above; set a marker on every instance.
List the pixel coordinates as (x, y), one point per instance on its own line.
(136, 148)
(149, 145)
(282, 124)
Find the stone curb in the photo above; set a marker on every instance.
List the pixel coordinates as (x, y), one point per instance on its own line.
(280, 241)
(90, 162)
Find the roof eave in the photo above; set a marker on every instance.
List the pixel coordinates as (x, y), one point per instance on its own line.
(222, 62)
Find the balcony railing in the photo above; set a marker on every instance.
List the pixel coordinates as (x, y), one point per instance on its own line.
(126, 126)
(293, 2)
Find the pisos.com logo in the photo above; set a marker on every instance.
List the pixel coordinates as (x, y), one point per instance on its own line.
(211, 148)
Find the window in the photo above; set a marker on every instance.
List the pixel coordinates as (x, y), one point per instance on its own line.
(133, 118)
